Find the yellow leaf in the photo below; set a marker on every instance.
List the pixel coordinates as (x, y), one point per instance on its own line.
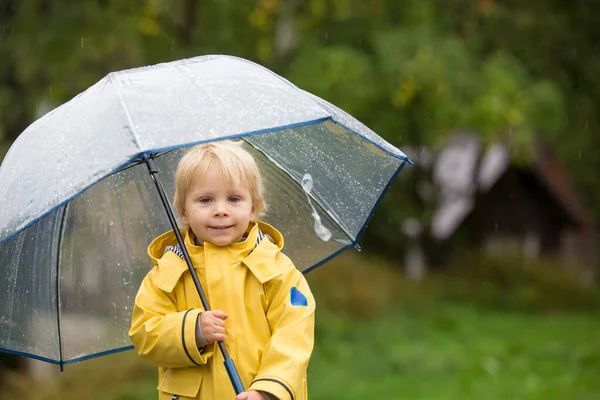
(149, 26)
(269, 6)
(515, 117)
(258, 19)
(405, 93)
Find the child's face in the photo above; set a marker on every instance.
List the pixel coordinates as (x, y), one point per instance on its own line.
(217, 212)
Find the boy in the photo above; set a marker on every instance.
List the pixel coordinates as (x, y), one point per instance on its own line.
(262, 306)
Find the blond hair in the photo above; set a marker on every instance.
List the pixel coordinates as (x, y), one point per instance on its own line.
(231, 161)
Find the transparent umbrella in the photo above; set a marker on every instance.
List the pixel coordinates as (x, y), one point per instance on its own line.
(82, 198)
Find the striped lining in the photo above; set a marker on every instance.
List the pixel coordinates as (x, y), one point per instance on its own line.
(175, 249)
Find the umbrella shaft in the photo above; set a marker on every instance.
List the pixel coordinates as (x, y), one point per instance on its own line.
(229, 365)
(167, 206)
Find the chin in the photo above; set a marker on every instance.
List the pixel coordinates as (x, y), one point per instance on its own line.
(221, 243)
(224, 244)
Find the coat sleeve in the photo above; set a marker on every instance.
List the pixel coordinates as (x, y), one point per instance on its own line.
(160, 333)
(291, 314)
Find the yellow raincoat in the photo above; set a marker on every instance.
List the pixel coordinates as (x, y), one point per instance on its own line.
(270, 329)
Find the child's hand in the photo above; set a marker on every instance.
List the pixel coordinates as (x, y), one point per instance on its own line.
(251, 395)
(212, 324)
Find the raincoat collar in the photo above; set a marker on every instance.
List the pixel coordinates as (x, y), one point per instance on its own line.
(257, 252)
(261, 259)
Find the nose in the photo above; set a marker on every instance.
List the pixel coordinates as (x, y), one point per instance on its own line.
(221, 209)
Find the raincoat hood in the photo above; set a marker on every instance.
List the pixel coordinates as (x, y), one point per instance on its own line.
(258, 251)
(157, 248)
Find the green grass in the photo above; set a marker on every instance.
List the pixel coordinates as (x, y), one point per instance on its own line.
(381, 337)
(457, 352)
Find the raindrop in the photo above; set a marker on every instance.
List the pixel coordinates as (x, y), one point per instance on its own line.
(307, 183)
(322, 232)
(82, 42)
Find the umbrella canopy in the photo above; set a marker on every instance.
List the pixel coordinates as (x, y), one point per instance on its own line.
(79, 208)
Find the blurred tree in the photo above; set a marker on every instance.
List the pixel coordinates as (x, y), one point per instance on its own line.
(395, 67)
(52, 50)
(414, 71)
(555, 41)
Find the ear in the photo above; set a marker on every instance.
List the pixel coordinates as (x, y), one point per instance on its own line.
(184, 219)
(253, 214)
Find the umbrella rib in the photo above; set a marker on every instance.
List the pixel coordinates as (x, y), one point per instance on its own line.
(133, 131)
(61, 236)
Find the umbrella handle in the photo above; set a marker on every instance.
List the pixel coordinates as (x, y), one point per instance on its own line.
(232, 371)
(234, 376)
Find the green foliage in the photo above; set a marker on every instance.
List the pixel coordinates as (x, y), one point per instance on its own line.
(365, 292)
(414, 71)
(557, 44)
(415, 84)
(338, 72)
(490, 283)
(515, 283)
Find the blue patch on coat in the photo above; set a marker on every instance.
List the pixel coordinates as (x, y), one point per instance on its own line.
(297, 298)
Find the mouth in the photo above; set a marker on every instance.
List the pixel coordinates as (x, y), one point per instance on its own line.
(221, 227)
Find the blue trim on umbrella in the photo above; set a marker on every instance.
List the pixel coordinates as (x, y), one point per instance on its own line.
(380, 198)
(146, 154)
(62, 363)
(307, 270)
(95, 355)
(143, 155)
(236, 136)
(354, 243)
(23, 354)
